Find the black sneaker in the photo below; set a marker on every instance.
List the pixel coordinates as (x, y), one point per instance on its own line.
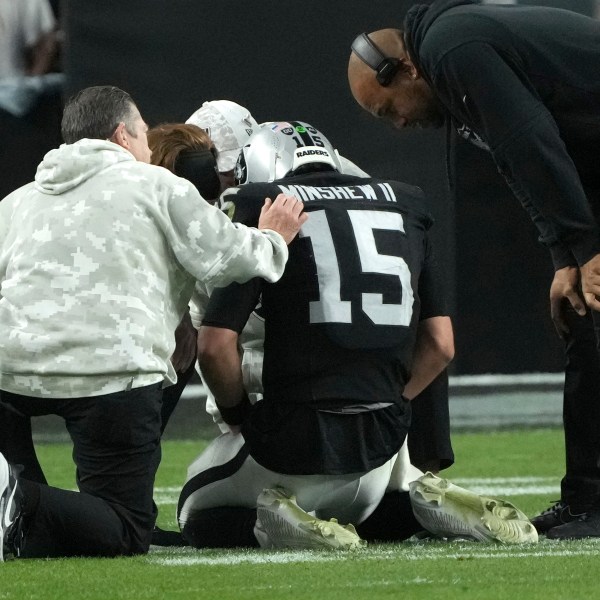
(11, 496)
(558, 514)
(586, 526)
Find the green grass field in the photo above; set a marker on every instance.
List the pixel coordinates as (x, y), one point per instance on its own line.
(524, 467)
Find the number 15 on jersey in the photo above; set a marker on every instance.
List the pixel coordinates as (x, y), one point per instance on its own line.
(330, 308)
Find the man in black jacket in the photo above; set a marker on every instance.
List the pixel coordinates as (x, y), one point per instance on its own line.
(524, 84)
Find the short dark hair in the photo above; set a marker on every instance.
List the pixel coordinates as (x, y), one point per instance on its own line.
(95, 112)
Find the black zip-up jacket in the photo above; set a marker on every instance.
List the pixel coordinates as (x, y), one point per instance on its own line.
(525, 81)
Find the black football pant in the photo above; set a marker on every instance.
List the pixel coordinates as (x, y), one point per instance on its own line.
(116, 449)
(580, 487)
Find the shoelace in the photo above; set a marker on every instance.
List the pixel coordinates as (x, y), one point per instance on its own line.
(558, 506)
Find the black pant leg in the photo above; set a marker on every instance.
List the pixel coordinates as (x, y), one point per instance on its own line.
(221, 527)
(16, 442)
(116, 448)
(392, 521)
(69, 523)
(172, 394)
(581, 414)
(429, 443)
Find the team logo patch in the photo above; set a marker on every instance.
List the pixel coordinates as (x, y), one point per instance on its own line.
(301, 152)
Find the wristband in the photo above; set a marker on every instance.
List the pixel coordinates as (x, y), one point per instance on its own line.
(235, 415)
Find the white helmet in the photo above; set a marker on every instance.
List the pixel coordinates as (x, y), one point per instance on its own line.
(228, 125)
(277, 150)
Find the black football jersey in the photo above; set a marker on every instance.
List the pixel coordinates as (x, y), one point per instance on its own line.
(340, 324)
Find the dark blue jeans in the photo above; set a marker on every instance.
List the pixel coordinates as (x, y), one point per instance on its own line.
(116, 449)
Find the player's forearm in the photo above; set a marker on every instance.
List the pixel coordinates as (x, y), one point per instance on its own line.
(224, 380)
(220, 364)
(434, 350)
(430, 365)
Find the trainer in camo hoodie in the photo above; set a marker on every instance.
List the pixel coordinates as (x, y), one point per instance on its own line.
(98, 259)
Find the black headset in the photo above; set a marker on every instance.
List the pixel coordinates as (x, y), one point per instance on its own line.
(385, 67)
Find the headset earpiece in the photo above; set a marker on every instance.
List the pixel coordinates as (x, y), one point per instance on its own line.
(385, 67)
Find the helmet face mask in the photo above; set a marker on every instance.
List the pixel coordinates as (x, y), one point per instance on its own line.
(277, 150)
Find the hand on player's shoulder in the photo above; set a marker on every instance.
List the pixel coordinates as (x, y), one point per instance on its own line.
(285, 215)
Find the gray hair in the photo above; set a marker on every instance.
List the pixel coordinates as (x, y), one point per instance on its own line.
(95, 112)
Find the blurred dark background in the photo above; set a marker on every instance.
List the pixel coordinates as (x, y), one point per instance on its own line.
(288, 61)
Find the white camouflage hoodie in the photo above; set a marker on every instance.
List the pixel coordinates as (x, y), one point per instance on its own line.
(98, 259)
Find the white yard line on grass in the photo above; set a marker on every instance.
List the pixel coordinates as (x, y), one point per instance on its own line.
(256, 559)
(500, 480)
(419, 551)
(510, 486)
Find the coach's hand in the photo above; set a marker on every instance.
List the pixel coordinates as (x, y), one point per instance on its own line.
(565, 288)
(590, 282)
(185, 344)
(284, 215)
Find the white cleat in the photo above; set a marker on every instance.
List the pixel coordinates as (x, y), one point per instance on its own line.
(281, 523)
(449, 511)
